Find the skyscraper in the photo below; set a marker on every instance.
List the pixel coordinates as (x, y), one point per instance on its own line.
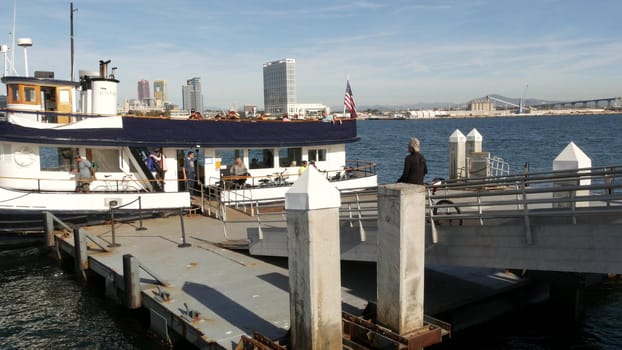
(143, 89)
(159, 92)
(192, 98)
(279, 86)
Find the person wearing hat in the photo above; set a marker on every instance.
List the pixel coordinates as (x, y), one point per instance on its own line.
(415, 166)
(85, 174)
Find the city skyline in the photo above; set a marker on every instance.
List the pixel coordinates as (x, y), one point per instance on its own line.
(395, 52)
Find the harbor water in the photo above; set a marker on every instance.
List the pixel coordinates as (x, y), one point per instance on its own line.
(43, 307)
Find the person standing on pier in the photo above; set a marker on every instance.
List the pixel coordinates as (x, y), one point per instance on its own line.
(415, 166)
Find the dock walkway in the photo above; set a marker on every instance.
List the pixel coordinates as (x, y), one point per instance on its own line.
(218, 295)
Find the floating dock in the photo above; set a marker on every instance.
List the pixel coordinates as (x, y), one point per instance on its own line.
(212, 296)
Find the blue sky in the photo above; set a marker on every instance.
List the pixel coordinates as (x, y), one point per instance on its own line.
(395, 52)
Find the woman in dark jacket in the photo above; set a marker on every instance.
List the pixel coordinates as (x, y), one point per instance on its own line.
(415, 166)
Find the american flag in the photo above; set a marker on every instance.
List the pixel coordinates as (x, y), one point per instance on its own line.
(349, 101)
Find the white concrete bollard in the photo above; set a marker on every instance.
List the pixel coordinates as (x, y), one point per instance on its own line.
(457, 154)
(473, 141)
(571, 158)
(401, 256)
(312, 206)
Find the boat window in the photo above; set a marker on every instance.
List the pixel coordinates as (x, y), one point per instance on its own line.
(14, 93)
(261, 158)
(289, 155)
(318, 155)
(55, 158)
(228, 156)
(106, 160)
(29, 94)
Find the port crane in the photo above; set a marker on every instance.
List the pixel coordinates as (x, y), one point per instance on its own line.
(521, 104)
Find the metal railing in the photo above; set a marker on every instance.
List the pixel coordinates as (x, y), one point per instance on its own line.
(570, 194)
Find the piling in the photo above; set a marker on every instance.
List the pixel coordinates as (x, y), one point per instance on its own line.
(571, 158)
(457, 153)
(312, 206)
(49, 230)
(80, 252)
(131, 279)
(473, 141)
(401, 256)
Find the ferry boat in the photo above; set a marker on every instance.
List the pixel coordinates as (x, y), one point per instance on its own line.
(47, 122)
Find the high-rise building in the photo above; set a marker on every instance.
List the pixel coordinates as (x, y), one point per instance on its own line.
(279, 86)
(159, 92)
(192, 98)
(143, 89)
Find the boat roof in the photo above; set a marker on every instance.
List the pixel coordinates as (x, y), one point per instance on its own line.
(39, 81)
(164, 132)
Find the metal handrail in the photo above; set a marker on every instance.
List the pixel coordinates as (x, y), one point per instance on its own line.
(480, 201)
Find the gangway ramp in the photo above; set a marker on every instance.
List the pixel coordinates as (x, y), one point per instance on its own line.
(554, 221)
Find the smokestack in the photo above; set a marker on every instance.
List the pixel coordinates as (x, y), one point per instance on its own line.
(103, 69)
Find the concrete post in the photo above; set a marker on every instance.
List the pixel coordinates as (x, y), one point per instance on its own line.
(457, 155)
(571, 158)
(80, 255)
(49, 230)
(473, 142)
(401, 256)
(312, 206)
(131, 279)
(476, 161)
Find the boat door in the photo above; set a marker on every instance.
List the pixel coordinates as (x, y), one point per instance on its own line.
(57, 99)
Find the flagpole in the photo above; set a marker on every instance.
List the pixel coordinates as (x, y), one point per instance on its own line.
(344, 105)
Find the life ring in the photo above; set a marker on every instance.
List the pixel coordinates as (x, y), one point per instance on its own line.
(24, 157)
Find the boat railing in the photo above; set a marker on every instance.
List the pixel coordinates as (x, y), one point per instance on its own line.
(102, 183)
(284, 176)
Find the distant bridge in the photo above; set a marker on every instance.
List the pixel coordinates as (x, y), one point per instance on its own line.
(595, 102)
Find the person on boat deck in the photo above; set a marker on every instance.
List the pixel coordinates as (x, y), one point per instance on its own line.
(326, 118)
(85, 174)
(160, 160)
(195, 115)
(233, 115)
(303, 168)
(415, 166)
(329, 118)
(239, 169)
(189, 173)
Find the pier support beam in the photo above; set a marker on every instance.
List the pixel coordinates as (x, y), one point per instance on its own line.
(312, 206)
(131, 279)
(80, 254)
(49, 230)
(401, 256)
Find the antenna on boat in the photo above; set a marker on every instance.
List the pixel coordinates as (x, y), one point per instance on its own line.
(4, 49)
(12, 38)
(9, 67)
(71, 11)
